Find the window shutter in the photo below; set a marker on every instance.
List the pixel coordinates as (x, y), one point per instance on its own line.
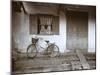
(55, 25)
(33, 24)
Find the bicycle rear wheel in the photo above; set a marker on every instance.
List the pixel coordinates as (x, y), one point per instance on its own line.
(31, 51)
(53, 50)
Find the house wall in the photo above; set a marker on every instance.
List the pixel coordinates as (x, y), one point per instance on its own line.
(20, 31)
(22, 38)
(91, 31)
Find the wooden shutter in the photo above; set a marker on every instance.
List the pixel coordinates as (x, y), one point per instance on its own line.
(55, 25)
(33, 24)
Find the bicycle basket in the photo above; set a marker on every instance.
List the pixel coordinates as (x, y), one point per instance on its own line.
(34, 40)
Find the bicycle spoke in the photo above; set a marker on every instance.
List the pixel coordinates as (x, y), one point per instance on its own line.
(53, 50)
(31, 51)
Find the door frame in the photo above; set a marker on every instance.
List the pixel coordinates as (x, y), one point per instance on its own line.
(84, 50)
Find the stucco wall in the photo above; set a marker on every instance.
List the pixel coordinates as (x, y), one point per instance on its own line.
(20, 30)
(91, 31)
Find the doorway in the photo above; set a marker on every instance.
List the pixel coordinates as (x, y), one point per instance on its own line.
(77, 30)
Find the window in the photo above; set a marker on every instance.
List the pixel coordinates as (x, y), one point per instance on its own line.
(44, 24)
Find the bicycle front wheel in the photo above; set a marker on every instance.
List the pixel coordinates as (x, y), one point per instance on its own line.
(31, 51)
(53, 50)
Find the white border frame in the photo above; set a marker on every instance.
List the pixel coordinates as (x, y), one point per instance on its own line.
(5, 22)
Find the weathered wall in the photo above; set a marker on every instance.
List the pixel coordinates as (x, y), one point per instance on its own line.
(36, 8)
(22, 38)
(91, 31)
(20, 30)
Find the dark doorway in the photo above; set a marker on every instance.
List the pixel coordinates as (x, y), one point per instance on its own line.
(77, 30)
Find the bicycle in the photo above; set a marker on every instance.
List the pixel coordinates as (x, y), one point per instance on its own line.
(52, 49)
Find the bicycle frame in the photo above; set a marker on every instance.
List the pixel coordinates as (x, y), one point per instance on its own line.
(48, 50)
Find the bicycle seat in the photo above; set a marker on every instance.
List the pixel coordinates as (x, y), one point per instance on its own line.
(46, 41)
